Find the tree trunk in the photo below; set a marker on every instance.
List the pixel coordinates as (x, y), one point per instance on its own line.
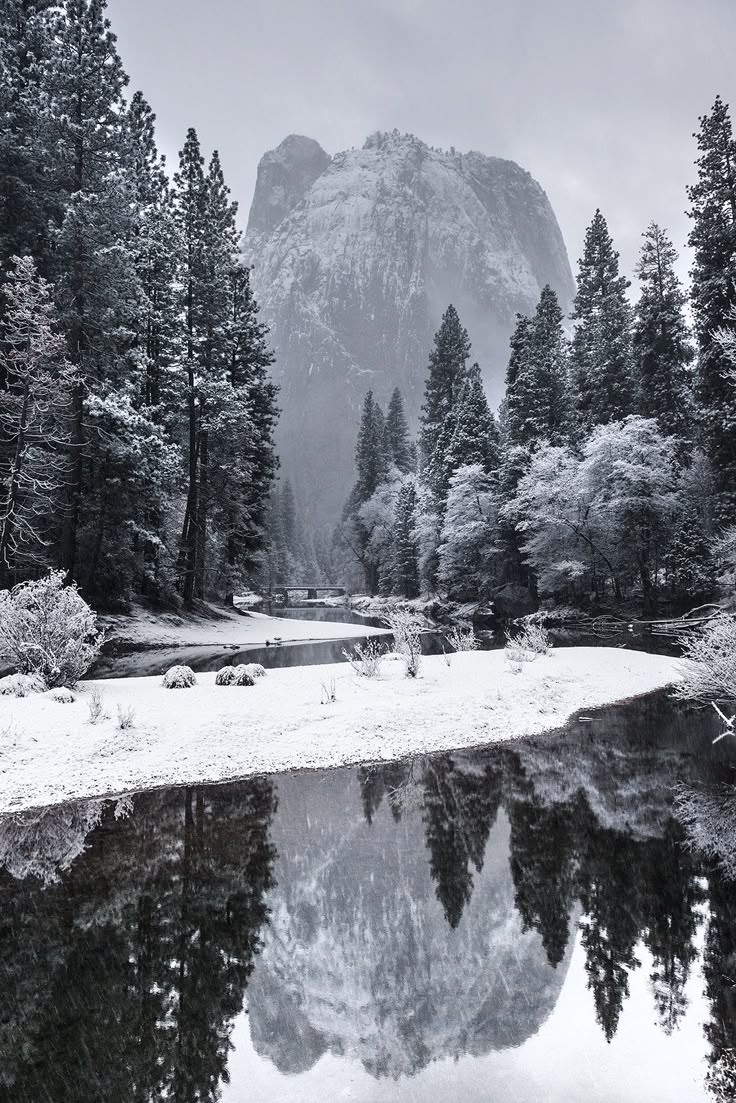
(201, 526)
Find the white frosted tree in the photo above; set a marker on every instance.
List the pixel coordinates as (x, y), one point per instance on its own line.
(35, 394)
(467, 552)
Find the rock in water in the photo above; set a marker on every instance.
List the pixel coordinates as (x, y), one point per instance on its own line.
(355, 258)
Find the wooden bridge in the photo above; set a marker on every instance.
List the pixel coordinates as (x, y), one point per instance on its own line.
(311, 589)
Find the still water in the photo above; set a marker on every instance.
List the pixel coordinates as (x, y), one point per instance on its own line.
(522, 924)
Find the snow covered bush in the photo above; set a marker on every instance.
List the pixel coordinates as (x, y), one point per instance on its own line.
(225, 676)
(256, 670)
(708, 815)
(709, 667)
(61, 695)
(524, 646)
(179, 677)
(462, 638)
(20, 685)
(48, 629)
(126, 717)
(366, 658)
(242, 676)
(407, 628)
(96, 705)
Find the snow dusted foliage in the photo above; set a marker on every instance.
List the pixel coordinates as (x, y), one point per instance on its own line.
(20, 685)
(709, 818)
(179, 677)
(598, 520)
(528, 642)
(709, 667)
(366, 658)
(225, 676)
(467, 552)
(61, 695)
(726, 558)
(242, 676)
(407, 628)
(44, 844)
(462, 638)
(48, 629)
(255, 670)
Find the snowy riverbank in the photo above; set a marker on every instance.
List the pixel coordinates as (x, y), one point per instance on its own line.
(222, 628)
(50, 752)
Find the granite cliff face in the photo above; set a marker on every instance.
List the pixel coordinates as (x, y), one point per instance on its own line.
(355, 259)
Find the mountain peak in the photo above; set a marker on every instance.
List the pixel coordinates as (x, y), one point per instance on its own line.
(285, 174)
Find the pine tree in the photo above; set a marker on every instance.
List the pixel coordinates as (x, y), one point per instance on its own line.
(371, 453)
(601, 346)
(713, 294)
(406, 547)
(519, 382)
(447, 373)
(551, 414)
(661, 343)
(26, 186)
(398, 433)
(469, 436)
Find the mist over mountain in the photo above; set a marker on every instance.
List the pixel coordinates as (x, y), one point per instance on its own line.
(355, 258)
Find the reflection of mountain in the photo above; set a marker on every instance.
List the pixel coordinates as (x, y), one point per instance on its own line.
(359, 957)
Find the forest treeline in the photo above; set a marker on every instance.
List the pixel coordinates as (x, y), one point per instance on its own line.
(136, 407)
(610, 471)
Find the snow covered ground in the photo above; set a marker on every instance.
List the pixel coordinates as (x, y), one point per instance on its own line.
(222, 629)
(50, 752)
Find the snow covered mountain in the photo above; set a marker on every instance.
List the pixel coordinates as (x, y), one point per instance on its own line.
(355, 259)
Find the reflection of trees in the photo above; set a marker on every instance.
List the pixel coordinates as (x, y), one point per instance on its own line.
(43, 843)
(635, 888)
(460, 809)
(719, 967)
(122, 983)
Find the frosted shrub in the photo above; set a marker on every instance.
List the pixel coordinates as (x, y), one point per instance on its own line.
(61, 695)
(96, 705)
(48, 629)
(225, 676)
(20, 685)
(126, 717)
(242, 676)
(462, 638)
(709, 667)
(524, 647)
(407, 630)
(179, 677)
(255, 670)
(366, 658)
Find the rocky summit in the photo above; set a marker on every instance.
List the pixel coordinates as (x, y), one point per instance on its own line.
(355, 259)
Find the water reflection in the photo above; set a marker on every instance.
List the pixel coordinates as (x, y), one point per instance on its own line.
(389, 918)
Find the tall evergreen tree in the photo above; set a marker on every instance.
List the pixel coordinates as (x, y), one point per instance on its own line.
(661, 343)
(713, 294)
(447, 372)
(469, 436)
(398, 433)
(601, 345)
(406, 547)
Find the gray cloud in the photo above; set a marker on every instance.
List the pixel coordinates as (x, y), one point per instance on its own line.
(598, 99)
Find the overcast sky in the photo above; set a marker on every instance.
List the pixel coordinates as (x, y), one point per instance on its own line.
(598, 99)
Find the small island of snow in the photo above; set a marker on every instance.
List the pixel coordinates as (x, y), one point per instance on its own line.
(304, 717)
